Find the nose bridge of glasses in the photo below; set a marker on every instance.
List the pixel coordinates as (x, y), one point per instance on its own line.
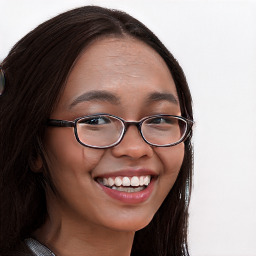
(127, 124)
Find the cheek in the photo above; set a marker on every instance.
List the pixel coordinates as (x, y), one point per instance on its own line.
(66, 156)
(171, 159)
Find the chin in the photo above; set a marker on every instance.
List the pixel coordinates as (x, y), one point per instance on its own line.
(133, 224)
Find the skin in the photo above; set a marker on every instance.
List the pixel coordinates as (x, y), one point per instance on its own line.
(82, 218)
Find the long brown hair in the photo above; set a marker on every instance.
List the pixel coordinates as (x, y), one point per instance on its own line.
(36, 70)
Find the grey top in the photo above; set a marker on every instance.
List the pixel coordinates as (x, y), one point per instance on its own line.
(37, 248)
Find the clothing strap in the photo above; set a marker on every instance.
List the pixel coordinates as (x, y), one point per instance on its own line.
(37, 248)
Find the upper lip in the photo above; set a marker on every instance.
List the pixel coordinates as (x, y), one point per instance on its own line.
(128, 173)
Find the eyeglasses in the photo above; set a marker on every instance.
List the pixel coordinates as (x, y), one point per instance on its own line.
(105, 131)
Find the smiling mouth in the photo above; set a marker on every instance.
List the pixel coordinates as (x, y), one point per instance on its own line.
(126, 184)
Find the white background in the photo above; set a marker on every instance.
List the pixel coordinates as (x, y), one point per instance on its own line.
(215, 43)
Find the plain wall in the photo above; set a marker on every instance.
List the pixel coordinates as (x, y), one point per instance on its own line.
(215, 43)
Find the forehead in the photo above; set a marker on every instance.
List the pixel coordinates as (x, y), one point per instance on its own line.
(125, 66)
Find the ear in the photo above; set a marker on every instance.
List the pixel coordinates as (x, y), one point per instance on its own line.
(36, 164)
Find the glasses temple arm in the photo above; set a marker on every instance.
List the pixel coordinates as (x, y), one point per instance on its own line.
(60, 123)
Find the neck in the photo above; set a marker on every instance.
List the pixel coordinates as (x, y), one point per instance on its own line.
(67, 239)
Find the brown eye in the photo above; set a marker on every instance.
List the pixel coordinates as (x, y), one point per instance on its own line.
(101, 120)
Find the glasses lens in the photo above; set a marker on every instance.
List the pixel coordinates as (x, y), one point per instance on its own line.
(164, 130)
(99, 131)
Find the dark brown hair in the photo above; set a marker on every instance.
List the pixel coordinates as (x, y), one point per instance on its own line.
(36, 70)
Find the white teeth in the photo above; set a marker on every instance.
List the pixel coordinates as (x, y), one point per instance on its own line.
(147, 180)
(135, 182)
(141, 180)
(128, 189)
(105, 181)
(110, 182)
(119, 181)
(126, 182)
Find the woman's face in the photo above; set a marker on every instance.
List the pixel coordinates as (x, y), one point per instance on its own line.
(126, 78)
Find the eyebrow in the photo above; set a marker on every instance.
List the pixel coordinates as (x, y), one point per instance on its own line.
(96, 95)
(111, 98)
(159, 96)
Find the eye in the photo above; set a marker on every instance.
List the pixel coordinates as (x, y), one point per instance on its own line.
(99, 120)
(161, 120)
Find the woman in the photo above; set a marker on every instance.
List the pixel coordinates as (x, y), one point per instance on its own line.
(95, 134)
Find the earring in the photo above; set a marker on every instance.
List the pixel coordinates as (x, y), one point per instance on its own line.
(2, 81)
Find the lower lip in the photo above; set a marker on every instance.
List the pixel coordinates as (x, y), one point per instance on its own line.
(130, 198)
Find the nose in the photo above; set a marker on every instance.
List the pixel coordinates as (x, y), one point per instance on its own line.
(132, 145)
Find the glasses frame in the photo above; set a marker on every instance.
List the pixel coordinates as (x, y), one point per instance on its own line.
(126, 124)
